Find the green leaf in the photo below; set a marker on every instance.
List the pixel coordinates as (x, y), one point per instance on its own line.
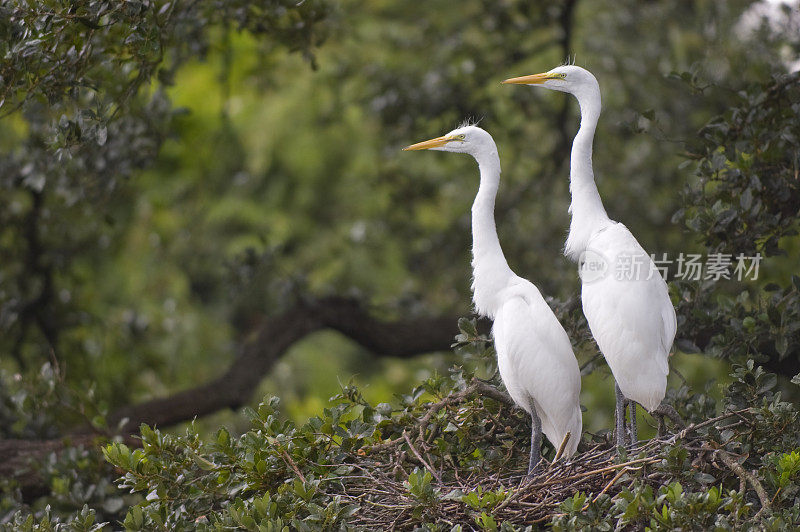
(768, 383)
(746, 199)
(704, 478)
(467, 326)
(782, 345)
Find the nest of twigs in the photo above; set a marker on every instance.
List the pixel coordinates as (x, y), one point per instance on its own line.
(381, 488)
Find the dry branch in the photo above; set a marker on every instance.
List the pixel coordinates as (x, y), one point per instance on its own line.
(563, 446)
(421, 459)
(745, 476)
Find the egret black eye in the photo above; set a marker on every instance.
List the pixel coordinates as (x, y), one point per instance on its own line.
(460, 137)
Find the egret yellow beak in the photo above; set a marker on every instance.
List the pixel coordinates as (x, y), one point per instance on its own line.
(533, 79)
(438, 142)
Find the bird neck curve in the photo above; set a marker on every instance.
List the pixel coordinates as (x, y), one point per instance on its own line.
(588, 213)
(490, 271)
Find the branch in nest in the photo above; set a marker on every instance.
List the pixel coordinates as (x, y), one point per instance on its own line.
(695, 426)
(484, 388)
(611, 482)
(563, 446)
(745, 476)
(421, 459)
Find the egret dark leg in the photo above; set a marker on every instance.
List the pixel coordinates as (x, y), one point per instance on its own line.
(536, 441)
(633, 434)
(620, 439)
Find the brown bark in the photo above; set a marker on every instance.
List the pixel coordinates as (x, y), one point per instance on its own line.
(384, 338)
(20, 459)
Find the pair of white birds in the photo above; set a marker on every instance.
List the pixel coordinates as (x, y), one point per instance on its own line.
(632, 320)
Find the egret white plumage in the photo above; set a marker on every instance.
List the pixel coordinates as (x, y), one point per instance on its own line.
(534, 354)
(631, 316)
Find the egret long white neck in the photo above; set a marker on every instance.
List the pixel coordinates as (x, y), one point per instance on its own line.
(489, 267)
(588, 213)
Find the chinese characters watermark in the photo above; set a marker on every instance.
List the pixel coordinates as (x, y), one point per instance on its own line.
(687, 266)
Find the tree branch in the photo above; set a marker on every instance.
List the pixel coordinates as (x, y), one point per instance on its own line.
(22, 459)
(36, 285)
(566, 22)
(384, 338)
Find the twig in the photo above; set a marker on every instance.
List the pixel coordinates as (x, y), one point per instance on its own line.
(435, 407)
(743, 474)
(562, 446)
(547, 518)
(488, 390)
(290, 462)
(421, 459)
(666, 410)
(607, 486)
(511, 497)
(650, 460)
(682, 434)
(387, 506)
(383, 446)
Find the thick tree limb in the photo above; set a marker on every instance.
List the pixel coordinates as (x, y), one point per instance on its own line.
(384, 338)
(566, 22)
(19, 460)
(401, 338)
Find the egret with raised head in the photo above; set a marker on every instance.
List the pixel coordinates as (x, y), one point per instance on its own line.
(628, 309)
(534, 354)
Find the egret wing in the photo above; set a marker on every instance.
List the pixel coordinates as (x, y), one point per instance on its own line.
(537, 363)
(631, 316)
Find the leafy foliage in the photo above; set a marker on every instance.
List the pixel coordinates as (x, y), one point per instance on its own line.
(83, 521)
(746, 196)
(84, 96)
(359, 463)
(745, 200)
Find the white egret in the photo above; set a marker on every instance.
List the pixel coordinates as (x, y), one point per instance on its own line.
(534, 354)
(625, 299)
